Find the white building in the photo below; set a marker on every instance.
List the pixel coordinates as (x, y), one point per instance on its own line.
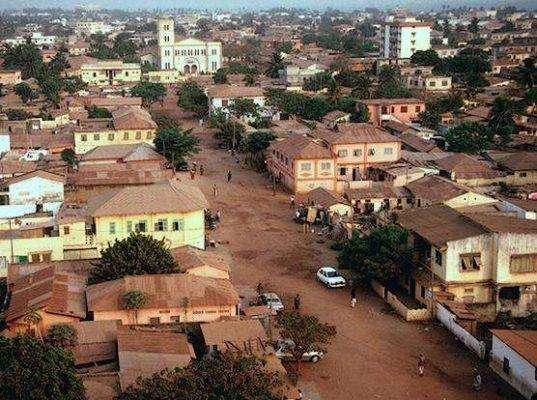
(91, 28)
(401, 39)
(222, 96)
(514, 357)
(190, 56)
(36, 38)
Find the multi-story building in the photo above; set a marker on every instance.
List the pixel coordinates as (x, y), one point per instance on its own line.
(110, 73)
(128, 125)
(222, 96)
(190, 56)
(401, 39)
(429, 83)
(88, 28)
(402, 110)
(486, 260)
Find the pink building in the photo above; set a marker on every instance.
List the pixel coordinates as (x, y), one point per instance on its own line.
(403, 110)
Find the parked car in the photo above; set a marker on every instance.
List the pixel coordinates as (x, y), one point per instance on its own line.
(272, 300)
(284, 347)
(330, 277)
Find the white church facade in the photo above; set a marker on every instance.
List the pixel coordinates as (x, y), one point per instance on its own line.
(189, 56)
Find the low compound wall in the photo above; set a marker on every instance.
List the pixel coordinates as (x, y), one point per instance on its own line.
(420, 314)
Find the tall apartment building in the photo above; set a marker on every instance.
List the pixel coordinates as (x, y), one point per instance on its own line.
(190, 56)
(401, 39)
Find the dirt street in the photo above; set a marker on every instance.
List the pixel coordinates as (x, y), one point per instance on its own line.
(374, 355)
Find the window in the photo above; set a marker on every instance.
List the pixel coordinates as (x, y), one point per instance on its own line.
(138, 135)
(422, 291)
(522, 174)
(418, 109)
(110, 137)
(470, 262)
(96, 137)
(66, 230)
(95, 74)
(214, 65)
(177, 225)
(384, 110)
(161, 225)
(432, 84)
(357, 153)
(141, 226)
(225, 102)
(325, 166)
(404, 109)
(437, 257)
(129, 226)
(343, 171)
(506, 367)
(371, 152)
(444, 83)
(126, 136)
(305, 167)
(175, 319)
(213, 52)
(342, 153)
(126, 73)
(83, 138)
(154, 321)
(388, 151)
(112, 228)
(149, 135)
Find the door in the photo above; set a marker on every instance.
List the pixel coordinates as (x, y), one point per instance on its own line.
(356, 174)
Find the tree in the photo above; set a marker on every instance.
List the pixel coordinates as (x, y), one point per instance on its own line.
(25, 57)
(134, 300)
(230, 134)
(32, 317)
(69, 156)
(502, 117)
(220, 76)
(25, 92)
(61, 335)
(425, 58)
(526, 74)
(430, 117)
(317, 82)
(149, 92)
(474, 26)
(226, 376)
(381, 255)
(255, 145)
(275, 64)
(243, 107)
(334, 91)
(176, 144)
(469, 137)
(138, 254)
(15, 114)
(60, 62)
(51, 86)
(473, 82)
(36, 370)
(193, 98)
(362, 87)
(74, 84)
(390, 83)
(98, 112)
(362, 115)
(249, 79)
(306, 333)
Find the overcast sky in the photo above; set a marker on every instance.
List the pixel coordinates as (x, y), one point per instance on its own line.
(263, 4)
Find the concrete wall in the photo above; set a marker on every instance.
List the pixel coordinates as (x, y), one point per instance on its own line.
(35, 190)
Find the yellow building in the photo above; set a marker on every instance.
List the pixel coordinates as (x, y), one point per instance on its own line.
(128, 125)
(110, 73)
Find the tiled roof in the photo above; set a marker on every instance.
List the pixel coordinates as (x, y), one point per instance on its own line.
(229, 91)
(55, 292)
(162, 197)
(189, 257)
(354, 133)
(524, 342)
(325, 198)
(465, 166)
(236, 333)
(163, 291)
(126, 152)
(525, 161)
(300, 147)
(132, 118)
(40, 174)
(417, 143)
(391, 101)
(435, 188)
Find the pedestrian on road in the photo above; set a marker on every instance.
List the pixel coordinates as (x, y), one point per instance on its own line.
(215, 190)
(297, 302)
(195, 166)
(421, 364)
(292, 201)
(201, 170)
(228, 176)
(218, 215)
(192, 173)
(353, 297)
(477, 380)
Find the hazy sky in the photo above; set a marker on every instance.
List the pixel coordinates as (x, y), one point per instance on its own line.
(258, 4)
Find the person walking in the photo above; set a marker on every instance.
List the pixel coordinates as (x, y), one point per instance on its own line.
(229, 176)
(201, 170)
(215, 190)
(353, 297)
(195, 166)
(192, 173)
(218, 215)
(421, 364)
(292, 201)
(297, 302)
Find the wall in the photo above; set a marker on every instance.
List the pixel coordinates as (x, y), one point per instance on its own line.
(421, 314)
(470, 199)
(306, 180)
(111, 136)
(449, 321)
(522, 373)
(208, 272)
(35, 190)
(510, 244)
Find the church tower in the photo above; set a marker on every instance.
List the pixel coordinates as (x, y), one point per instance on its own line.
(166, 41)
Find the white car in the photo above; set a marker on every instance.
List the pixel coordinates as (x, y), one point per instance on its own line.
(272, 300)
(331, 277)
(284, 347)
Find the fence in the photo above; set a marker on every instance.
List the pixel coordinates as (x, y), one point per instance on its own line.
(449, 320)
(408, 314)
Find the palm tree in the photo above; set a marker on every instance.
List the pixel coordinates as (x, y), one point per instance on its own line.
(33, 318)
(526, 75)
(134, 300)
(503, 112)
(334, 91)
(275, 65)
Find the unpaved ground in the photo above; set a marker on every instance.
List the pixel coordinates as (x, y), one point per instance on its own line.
(374, 354)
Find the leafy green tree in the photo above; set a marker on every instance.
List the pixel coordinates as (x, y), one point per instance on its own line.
(60, 62)
(227, 376)
(32, 317)
(61, 335)
(176, 144)
(69, 156)
(362, 115)
(249, 79)
(254, 145)
(193, 98)
(15, 114)
(318, 81)
(230, 134)
(220, 76)
(35, 370)
(430, 117)
(469, 137)
(138, 254)
(243, 107)
(334, 92)
(530, 99)
(275, 64)
(474, 82)
(51, 87)
(74, 84)
(526, 74)
(24, 57)
(25, 92)
(425, 57)
(502, 117)
(390, 85)
(474, 26)
(149, 92)
(134, 300)
(293, 103)
(305, 331)
(95, 112)
(380, 255)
